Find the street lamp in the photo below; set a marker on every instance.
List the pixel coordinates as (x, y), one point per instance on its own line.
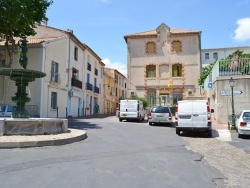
(231, 83)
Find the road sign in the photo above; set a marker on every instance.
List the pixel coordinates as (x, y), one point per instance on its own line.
(228, 92)
(210, 85)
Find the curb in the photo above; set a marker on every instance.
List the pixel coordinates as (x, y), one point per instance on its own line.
(74, 135)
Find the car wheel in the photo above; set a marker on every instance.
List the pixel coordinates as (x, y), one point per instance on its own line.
(240, 135)
(150, 123)
(178, 132)
(120, 119)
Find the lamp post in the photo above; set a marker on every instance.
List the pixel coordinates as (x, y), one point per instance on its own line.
(231, 83)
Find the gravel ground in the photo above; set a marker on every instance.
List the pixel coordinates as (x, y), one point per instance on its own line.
(233, 162)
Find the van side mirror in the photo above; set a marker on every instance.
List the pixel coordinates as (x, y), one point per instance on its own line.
(212, 110)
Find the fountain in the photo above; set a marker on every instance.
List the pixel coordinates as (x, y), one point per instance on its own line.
(20, 123)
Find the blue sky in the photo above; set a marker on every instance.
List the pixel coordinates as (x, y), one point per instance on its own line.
(102, 24)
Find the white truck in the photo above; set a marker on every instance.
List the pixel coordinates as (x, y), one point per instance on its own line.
(193, 115)
(131, 110)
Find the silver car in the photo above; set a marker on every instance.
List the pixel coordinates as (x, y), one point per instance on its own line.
(160, 114)
(243, 123)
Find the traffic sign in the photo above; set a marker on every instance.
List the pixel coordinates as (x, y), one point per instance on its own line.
(228, 92)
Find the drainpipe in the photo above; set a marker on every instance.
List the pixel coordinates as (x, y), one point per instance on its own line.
(68, 75)
(42, 81)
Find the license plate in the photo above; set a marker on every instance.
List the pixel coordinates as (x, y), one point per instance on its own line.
(248, 125)
(159, 116)
(185, 117)
(124, 115)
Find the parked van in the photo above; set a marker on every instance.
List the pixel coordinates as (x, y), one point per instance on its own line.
(131, 109)
(6, 110)
(193, 115)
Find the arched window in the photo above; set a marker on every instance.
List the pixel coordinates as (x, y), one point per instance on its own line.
(151, 71)
(177, 70)
(151, 48)
(176, 46)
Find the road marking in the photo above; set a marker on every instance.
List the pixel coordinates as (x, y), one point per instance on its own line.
(224, 135)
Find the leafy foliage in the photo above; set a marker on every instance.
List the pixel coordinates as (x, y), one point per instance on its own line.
(18, 19)
(144, 101)
(205, 72)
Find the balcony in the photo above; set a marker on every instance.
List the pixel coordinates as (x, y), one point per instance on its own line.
(89, 66)
(55, 78)
(76, 83)
(96, 72)
(96, 89)
(89, 87)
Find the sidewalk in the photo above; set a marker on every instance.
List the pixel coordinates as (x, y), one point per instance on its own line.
(218, 126)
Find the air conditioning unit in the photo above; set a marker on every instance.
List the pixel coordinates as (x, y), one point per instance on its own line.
(133, 93)
(190, 92)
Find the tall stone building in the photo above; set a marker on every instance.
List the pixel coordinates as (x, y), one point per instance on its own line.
(164, 65)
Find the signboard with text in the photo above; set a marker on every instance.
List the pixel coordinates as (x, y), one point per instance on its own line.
(228, 92)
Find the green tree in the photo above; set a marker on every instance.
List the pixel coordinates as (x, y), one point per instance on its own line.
(18, 18)
(144, 101)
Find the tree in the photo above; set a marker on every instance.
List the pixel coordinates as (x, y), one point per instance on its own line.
(18, 18)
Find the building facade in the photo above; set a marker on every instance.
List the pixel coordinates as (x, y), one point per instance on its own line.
(65, 91)
(211, 55)
(164, 65)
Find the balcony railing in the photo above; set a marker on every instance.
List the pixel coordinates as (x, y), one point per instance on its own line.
(96, 89)
(89, 86)
(76, 83)
(228, 67)
(89, 66)
(96, 72)
(55, 77)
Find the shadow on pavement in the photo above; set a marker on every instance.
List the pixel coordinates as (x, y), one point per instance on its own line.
(76, 124)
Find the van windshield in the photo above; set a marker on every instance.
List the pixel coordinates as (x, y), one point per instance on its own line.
(2, 108)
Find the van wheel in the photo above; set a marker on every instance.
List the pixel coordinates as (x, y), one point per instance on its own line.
(209, 133)
(178, 132)
(120, 119)
(150, 123)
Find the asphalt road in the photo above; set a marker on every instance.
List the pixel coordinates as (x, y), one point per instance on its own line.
(115, 155)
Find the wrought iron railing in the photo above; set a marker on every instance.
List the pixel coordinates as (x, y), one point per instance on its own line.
(96, 89)
(89, 86)
(228, 67)
(55, 77)
(77, 83)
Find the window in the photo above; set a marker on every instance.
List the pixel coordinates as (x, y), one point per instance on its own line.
(177, 70)
(215, 55)
(150, 48)
(76, 53)
(54, 72)
(176, 46)
(53, 100)
(206, 55)
(151, 71)
(177, 97)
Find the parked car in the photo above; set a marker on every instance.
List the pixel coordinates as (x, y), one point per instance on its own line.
(6, 110)
(243, 123)
(160, 114)
(193, 115)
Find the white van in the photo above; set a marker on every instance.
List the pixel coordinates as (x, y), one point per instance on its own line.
(193, 115)
(131, 109)
(6, 110)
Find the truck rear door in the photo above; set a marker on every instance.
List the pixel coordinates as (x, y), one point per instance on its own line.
(199, 116)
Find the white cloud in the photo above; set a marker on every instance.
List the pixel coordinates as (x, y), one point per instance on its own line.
(242, 32)
(121, 67)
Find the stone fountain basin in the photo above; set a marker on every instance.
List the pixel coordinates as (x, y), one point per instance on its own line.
(21, 73)
(32, 126)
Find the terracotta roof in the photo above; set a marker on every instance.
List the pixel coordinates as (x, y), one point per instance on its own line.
(154, 33)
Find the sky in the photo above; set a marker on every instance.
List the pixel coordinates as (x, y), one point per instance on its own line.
(102, 24)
